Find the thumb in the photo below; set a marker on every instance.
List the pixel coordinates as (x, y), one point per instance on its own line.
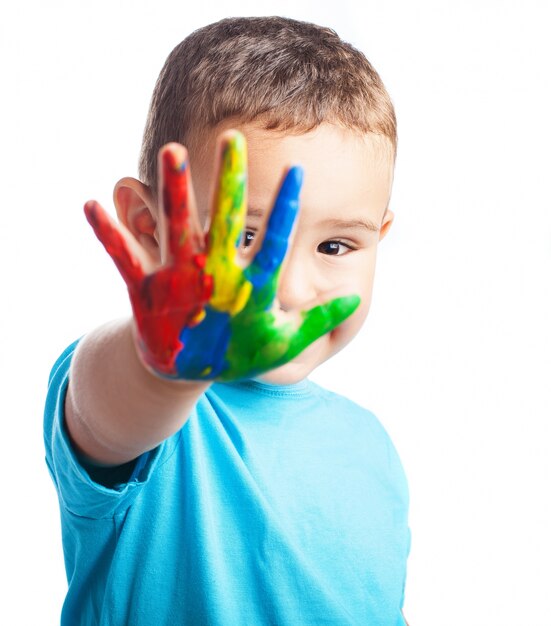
(321, 319)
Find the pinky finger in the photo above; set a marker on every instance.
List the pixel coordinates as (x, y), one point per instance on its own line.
(117, 244)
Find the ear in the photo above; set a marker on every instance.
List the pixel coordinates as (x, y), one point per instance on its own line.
(388, 218)
(137, 210)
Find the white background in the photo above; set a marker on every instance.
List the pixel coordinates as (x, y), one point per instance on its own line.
(455, 358)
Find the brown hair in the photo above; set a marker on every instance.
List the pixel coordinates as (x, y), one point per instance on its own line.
(288, 75)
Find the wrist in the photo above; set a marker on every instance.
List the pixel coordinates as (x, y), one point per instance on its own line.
(153, 380)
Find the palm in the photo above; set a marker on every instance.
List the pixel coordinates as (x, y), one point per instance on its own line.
(203, 315)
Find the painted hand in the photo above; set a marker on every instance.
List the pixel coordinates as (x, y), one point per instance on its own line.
(202, 314)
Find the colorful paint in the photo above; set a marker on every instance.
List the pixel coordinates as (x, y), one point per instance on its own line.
(202, 315)
(173, 297)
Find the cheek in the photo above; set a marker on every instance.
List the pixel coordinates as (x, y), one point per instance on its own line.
(344, 333)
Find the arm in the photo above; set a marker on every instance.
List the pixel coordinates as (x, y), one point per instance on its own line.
(115, 408)
(121, 401)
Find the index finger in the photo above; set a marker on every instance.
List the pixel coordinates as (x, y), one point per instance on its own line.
(269, 258)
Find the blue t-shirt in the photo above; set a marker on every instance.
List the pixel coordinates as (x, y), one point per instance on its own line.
(276, 505)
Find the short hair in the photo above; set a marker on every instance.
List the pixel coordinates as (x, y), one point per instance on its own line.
(286, 74)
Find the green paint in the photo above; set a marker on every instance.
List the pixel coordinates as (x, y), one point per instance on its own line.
(259, 344)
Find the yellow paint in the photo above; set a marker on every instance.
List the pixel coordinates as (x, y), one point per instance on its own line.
(198, 318)
(231, 290)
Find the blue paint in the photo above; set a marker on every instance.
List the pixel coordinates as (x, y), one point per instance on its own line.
(205, 346)
(269, 258)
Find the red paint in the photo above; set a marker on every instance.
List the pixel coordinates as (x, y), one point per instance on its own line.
(173, 297)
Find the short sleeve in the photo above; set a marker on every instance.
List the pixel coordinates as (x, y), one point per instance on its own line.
(77, 492)
(408, 549)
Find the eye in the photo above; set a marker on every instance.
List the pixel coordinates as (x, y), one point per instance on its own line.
(334, 248)
(247, 238)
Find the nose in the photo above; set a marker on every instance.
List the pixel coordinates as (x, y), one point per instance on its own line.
(296, 281)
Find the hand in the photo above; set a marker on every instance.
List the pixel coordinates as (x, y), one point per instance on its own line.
(173, 296)
(202, 315)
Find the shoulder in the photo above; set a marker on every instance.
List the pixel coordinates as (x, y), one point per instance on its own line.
(348, 409)
(362, 426)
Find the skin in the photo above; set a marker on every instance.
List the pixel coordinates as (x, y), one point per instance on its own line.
(122, 398)
(346, 176)
(119, 403)
(201, 314)
(174, 296)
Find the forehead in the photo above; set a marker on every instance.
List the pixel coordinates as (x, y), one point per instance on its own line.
(344, 171)
(339, 165)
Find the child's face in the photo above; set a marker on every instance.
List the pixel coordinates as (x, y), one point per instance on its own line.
(347, 184)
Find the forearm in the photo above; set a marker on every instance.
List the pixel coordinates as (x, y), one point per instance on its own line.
(115, 409)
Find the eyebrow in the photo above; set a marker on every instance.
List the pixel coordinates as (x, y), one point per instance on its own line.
(332, 222)
(338, 223)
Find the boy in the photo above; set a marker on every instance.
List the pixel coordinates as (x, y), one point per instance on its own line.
(202, 478)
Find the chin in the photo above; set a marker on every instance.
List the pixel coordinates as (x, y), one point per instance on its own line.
(299, 368)
(287, 374)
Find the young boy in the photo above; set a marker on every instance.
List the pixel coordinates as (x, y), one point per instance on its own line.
(202, 478)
